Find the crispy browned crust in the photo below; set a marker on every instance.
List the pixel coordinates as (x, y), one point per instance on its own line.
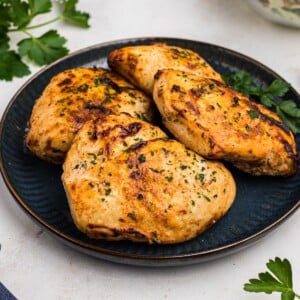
(73, 97)
(125, 179)
(140, 63)
(220, 123)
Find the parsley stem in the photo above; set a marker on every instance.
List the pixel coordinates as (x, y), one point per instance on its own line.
(37, 25)
(27, 33)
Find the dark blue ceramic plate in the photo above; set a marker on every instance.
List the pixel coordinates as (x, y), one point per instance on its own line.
(261, 203)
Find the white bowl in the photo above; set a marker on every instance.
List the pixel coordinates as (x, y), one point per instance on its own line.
(286, 12)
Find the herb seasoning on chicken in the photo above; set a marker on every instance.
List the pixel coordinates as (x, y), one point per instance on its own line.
(220, 123)
(140, 63)
(73, 97)
(125, 179)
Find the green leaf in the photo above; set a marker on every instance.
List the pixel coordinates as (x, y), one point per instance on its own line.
(290, 108)
(4, 15)
(45, 49)
(288, 295)
(287, 109)
(39, 7)
(267, 100)
(4, 39)
(280, 282)
(11, 66)
(282, 270)
(292, 123)
(18, 12)
(74, 16)
(278, 88)
(253, 114)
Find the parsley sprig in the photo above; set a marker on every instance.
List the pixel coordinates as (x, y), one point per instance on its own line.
(270, 96)
(17, 16)
(281, 281)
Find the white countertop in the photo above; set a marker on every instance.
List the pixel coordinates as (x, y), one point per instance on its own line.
(33, 265)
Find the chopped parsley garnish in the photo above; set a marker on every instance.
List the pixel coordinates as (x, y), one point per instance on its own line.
(270, 96)
(107, 191)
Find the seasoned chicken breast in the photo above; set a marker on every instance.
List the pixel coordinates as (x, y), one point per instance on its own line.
(220, 123)
(125, 179)
(140, 63)
(73, 97)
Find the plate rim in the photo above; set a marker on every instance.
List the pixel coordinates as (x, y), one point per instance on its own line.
(130, 258)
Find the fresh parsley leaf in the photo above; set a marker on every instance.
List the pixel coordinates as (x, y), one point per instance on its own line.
(11, 65)
(290, 108)
(16, 16)
(44, 49)
(278, 88)
(270, 96)
(240, 81)
(39, 7)
(74, 16)
(279, 281)
(282, 270)
(4, 15)
(267, 100)
(4, 39)
(253, 114)
(18, 13)
(292, 123)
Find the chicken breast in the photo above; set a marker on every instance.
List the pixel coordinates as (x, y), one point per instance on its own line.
(140, 63)
(73, 97)
(125, 179)
(220, 123)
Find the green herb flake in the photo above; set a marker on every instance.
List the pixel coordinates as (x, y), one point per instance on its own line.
(199, 176)
(142, 158)
(94, 158)
(141, 116)
(253, 114)
(91, 184)
(132, 216)
(166, 151)
(206, 198)
(107, 191)
(169, 178)
(98, 81)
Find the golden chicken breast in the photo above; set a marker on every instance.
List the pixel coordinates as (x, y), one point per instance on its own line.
(220, 123)
(73, 97)
(140, 63)
(125, 179)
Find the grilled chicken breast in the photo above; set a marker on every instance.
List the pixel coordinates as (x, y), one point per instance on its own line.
(125, 179)
(220, 123)
(73, 97)
(140, 63)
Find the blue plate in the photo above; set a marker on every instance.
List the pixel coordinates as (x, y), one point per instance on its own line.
(261, 204)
